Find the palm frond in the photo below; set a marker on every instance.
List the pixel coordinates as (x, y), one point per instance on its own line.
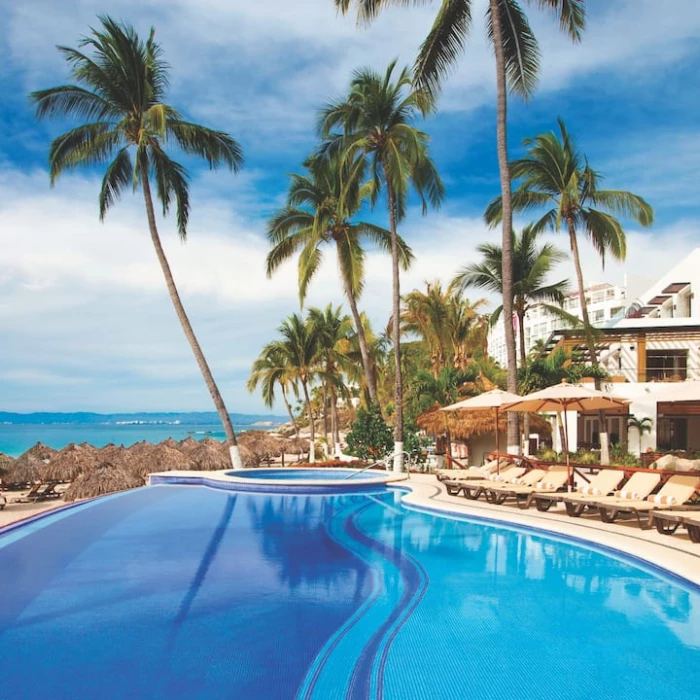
(571, 14)
(118, 175)
(172, 183)
(216, 147)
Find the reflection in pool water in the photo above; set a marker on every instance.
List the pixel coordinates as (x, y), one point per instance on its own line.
(176, 591)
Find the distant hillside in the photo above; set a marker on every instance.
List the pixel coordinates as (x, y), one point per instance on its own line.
(192, 418)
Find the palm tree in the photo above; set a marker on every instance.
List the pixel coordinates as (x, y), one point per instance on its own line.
(555, 176)
(320, 206)
(517, 67)
(643, 425)
(270, 370)
(299, 348)
(332, 328)
(377, 134)
(532, 265)
(444, 321)
(120, 90)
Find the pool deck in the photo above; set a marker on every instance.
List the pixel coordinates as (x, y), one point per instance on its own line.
(675, 553)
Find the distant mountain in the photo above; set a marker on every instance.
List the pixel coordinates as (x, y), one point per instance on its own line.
(192, 418)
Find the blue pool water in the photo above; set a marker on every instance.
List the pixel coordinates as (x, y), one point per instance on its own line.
(190, 592)
(318, 474)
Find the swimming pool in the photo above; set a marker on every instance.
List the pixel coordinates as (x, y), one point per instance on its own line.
(291, 474)
(182, 592)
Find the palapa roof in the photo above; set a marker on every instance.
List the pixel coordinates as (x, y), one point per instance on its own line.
(464, 425)
(261, 444)
(71, 461)
(103, 479)
(208, 457)
(172, 444)
(114, 454)
(26, 469)
(161, 458)
(188, 444)
(297, 445)
(41, 451)
(6, 463)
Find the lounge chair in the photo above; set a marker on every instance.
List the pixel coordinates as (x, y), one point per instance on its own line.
(48, 491)
(511, 475)
(549, 481)
(3, 501)
(454, 486)
(676, 491)
(668, 521)
(30, 495)
(692, 525)
(602, 484)
(470, 473)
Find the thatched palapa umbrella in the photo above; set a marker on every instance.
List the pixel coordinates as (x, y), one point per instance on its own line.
(161, 458)
(263, 445)
(41, 451)
(26, 469)
(209, 458)
(114, 454)
(6, 463)
(189, 444)
(103, 479)
(70, 462)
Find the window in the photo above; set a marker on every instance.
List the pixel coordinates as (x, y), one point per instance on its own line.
(598, 297)
(610, 293)
(598, 316)
(616, 310)
(667, 365)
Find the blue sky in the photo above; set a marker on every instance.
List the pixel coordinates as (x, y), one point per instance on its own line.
(86, 322)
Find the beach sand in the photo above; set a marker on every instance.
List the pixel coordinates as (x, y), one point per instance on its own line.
(14, 512)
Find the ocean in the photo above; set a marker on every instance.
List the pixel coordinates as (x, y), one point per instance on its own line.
(17, 438)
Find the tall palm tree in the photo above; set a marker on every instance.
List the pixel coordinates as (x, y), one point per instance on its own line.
(319, 211)
(271, 370)
(120, 89)
(376, 132)
(554, 176)
(299, 347)
(532, 265)
(333, 329)
(517, 67)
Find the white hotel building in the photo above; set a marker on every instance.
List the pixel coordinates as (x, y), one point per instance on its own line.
(646, 344)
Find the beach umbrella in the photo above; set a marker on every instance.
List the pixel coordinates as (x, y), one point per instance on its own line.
(26, 469)
(41, 451)
(172, 444)
(160, 458)
(494, 400)
(6, 463)
(263, 445)
(565, 397)
(103, 479)
(114, 454)
(209, 457)
(189, 444)
(71, 461)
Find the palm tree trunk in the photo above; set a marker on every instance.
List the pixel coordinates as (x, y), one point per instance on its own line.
(324, 396)
(396, 331)
(289, 411)
(312, 428)
(507, 233)
(234, 452)
(523, 364)
(370, 377)
(590, 340)
(335, 426)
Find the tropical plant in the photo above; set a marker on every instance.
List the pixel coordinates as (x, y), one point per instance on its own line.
(271, 370)
(444, 321)
(517, 67)
(532, 265)
(555, 176)
(319, 211)
(299, 349)
(369, 437)
(332, 328)
(376, 356)
(376, 133)
(642, 425)
(120, 90)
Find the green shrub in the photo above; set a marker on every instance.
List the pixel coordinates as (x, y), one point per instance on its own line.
(622, 458)
(369, 437)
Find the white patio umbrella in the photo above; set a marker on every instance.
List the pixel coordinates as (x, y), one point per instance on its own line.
(495, 399)
(564, 397)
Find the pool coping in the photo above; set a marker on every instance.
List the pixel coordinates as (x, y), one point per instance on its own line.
(226, 479)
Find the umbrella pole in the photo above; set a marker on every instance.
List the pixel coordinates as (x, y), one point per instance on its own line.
(566, 447)
(498, 444)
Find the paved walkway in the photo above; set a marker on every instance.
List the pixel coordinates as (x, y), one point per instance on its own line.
(673, 552)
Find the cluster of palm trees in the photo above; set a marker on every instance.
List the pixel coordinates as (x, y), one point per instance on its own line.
(370, 159)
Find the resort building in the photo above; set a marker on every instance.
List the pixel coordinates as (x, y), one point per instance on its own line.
(653, 344)
(606, 302)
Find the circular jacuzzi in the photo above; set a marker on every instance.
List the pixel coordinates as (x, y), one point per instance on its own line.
(286, 479)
